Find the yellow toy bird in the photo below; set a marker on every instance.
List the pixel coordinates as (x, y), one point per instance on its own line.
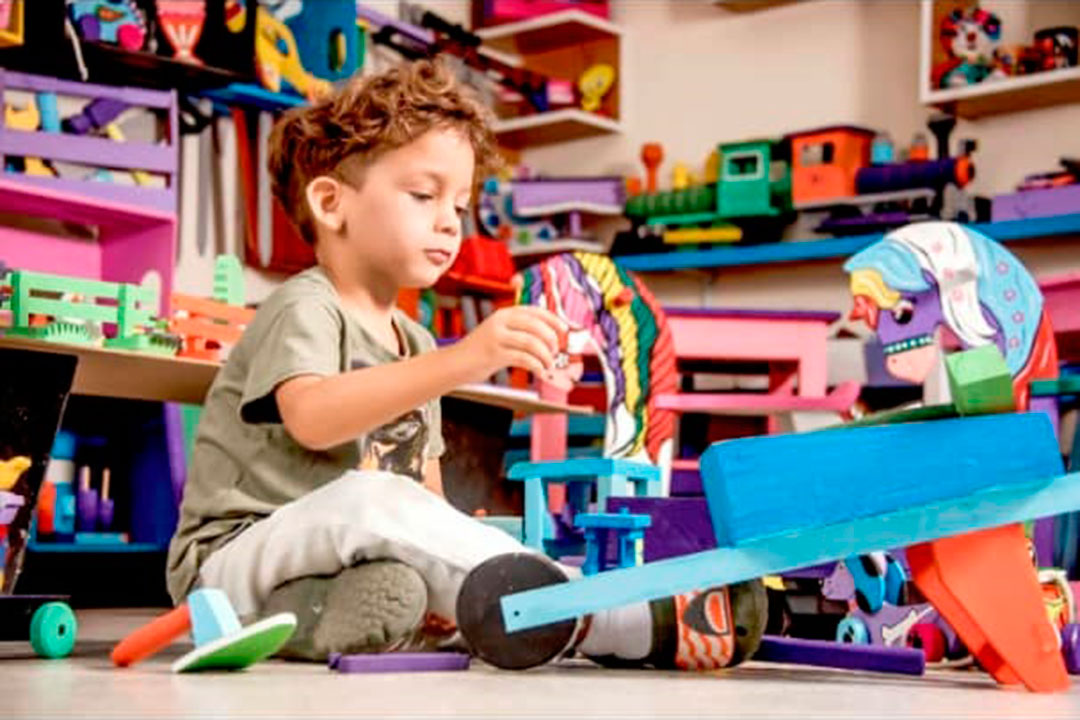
(11, 470)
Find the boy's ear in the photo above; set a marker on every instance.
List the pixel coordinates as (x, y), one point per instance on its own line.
(324, 197)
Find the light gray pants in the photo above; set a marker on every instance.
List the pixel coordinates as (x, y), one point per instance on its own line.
(363, 515)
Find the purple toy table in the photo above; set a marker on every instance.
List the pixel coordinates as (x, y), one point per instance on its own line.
(1037, 203)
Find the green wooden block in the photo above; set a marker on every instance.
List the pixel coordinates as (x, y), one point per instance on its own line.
(980, 381)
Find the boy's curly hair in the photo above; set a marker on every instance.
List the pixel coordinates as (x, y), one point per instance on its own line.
(366, 118)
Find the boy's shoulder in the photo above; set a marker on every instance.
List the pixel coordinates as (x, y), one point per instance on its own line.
(311, 284)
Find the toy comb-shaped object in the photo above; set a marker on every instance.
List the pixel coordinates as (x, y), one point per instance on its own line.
(220, 641)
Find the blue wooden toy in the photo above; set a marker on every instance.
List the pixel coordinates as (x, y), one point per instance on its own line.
(612, 477)
(629, 539)
(834, 494)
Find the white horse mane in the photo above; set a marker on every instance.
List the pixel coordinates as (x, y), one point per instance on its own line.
(945, 251)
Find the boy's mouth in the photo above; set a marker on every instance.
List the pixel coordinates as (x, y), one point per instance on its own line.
(438, 257)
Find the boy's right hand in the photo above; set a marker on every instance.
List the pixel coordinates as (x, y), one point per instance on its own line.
(523, 336)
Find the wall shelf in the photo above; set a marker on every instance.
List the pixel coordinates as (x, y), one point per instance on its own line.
(810, 250)
(1015, 93)
(560, 45)
(553, 127)
(548, 32)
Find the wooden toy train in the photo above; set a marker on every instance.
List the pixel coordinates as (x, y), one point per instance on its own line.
(836, 180)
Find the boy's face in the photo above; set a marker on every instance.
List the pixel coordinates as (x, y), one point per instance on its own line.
(404, 220)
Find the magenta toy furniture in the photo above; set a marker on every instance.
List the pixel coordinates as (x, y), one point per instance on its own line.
(131, 242)
(1061, 295)
(791, 342)
(75, 143)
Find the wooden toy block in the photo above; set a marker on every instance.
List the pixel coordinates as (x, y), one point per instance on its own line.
(819, 653)
(399, 662)
(868, 471)
(220, 642)
(212, 616)
(724, 234)
(980, 381)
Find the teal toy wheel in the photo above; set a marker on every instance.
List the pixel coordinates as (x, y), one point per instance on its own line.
(852, 631)
(53, 629)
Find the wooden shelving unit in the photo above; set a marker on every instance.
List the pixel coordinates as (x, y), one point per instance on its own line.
(1000, 95)
(560, 45)
(792, 251)
(553, 127)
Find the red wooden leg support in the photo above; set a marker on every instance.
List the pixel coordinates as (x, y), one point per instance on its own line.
(984, 584)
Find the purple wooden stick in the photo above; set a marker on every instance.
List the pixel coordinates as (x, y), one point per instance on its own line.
(822, 653)
(399, 662)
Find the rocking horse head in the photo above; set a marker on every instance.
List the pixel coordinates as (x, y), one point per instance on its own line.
(929, 275)
(612, 311)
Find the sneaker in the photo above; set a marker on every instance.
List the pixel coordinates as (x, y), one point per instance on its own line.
(372, 607)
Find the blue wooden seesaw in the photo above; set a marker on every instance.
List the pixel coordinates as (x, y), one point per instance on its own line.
(952, 491)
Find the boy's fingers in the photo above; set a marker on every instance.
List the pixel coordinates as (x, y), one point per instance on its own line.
(526, 342)
(534, 326)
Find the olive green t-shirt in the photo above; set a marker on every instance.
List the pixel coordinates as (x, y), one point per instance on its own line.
(244, 464)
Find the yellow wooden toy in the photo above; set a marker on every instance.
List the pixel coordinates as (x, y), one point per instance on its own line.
(594, 84)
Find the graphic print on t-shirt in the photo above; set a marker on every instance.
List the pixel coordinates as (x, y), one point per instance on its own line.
(397, 447)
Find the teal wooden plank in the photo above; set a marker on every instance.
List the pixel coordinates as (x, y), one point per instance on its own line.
(780, 553)
(809, 250)
(576, 426)
(762, 486)
(558, 470)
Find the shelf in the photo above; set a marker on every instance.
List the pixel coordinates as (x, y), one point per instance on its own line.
(810, 250)
(548, 32)
(750, 5)
(1026, 92)
(553, 127)
(70, 547)
(143, 376)
(543, 248)
(256, 95)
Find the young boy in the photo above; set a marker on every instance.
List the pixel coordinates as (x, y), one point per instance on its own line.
(314, 484)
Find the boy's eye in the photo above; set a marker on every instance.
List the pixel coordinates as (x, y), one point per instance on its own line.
(421, 196)
(462, 212)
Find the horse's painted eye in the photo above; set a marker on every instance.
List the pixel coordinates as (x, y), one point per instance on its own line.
(903, 312)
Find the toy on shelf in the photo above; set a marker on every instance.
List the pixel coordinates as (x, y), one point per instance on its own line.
(278, 57)
(119, 22)
(1042, 194)
(531, 214)
(220, 641)
(182, 22)
(72, 310)
(594, 84)
(210, 327)
(12, 20)
(71, 153)
(828, 179)
(969, 40)
(540, 91)
(1058, 47)
(931, 275)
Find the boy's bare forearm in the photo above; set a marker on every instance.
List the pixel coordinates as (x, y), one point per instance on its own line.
(323, 412)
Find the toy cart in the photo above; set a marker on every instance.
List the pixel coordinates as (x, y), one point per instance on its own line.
(32, 399)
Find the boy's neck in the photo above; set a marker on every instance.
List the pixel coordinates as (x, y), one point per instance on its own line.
(370, 301)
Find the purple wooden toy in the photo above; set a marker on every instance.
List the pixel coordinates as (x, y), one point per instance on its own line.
(821, 653)
(1070, 647)
(399, 662)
